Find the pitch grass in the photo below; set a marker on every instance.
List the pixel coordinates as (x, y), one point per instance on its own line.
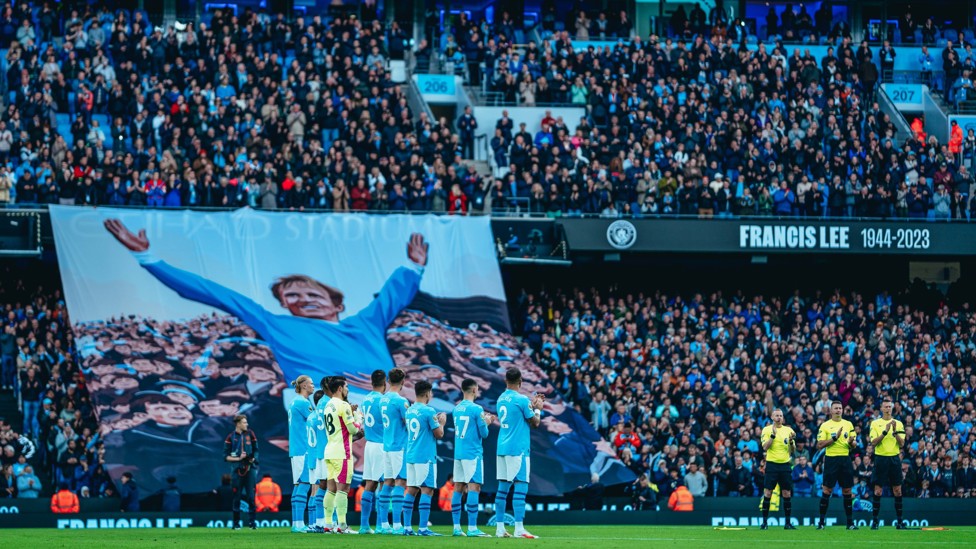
(591, 537)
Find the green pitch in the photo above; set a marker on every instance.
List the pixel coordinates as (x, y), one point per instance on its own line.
(595, 537)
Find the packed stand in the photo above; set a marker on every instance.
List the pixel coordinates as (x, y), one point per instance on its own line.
(58, 444)
(261, 111)
(708, 127)
(254, 110)
(682, 385)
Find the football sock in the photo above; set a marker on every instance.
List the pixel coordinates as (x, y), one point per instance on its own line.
(319, 507)
(408, 500)
(313, 508)
(518, 501)
(899, 508)
(424, 510)
(383, 507)
(456, 508)
(787, 508)
(472, 508)
(824, 502)
(765, 508)
(329, 507)
(341, 507)
(299, 500)
(367, 509)
(501, 500)
(876, 506)
(398, 506)
(849, 508)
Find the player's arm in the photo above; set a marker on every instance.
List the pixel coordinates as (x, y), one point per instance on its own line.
(400, 289)
(791, 446)
(436, 423)
(351, 421)
(532, 410)
(768, 438)
(482, 420)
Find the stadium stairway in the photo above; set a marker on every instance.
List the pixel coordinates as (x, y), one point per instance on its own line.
(9, 410)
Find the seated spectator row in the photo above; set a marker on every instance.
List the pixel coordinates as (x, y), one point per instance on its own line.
(255, 110)
(683, 384)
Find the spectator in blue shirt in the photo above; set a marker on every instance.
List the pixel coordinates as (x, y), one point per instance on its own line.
(28, 485)
(803, 478)
(620, 416)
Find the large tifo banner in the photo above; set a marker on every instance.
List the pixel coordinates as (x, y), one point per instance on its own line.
(185, 319)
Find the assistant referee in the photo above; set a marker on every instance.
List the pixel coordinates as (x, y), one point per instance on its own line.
(837, 435)
(887, 437)
(779, 443)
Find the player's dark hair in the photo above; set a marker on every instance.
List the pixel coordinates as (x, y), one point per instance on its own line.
(422, 388)
(324, 382)
(513, 375)
(336, 383)
(468, 385)
(378, 378)
(239, 418)
(396, 376)
(318, 396)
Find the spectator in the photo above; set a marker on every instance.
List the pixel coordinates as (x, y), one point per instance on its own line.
(28, 485)
(171, 496)
(803, 478)
(129, 492)
(696, 481)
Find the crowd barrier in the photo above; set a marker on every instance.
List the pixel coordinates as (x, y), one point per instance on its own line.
(710, 512)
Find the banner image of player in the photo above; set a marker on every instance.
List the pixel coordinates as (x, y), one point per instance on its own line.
(185, 319)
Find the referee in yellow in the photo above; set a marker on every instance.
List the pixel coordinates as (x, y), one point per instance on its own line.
(779, 442)
(887, 437)
(837, 435)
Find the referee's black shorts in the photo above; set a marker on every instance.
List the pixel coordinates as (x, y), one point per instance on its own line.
(887, 471)
(838, 469)
(778, 473)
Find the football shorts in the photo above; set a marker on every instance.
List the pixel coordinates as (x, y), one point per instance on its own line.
(394, 465)
(422, 474)
(373, 461)
(513, 468)
(339, 470)
(469, 470)
(299, 472)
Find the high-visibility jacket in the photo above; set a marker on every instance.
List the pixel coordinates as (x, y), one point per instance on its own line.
(444, 496)
(358, 498)
(267, 495)
(918, 128)
(773, 500)
(64, 501)
(681, 500)
(955, 139)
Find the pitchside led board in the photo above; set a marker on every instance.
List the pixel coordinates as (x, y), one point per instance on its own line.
(179, 338)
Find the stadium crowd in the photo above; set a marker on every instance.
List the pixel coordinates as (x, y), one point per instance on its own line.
(58, 443)
(682, 385)
(258, 110)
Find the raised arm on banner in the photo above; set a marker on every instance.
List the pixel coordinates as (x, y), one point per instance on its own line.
(134, 242)
(192, 286)
(417, 249)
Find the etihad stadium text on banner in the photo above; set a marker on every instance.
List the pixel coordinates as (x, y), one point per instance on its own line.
(194, 327)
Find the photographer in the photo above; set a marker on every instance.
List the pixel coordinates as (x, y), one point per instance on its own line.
(643, 496)
(241, 449)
